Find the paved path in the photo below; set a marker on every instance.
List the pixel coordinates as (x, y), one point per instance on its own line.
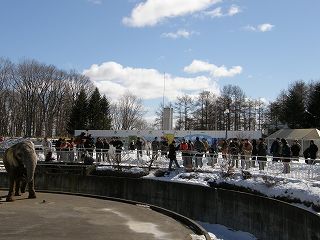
(58, 216)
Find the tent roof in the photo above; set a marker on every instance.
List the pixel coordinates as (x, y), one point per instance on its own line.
(306, 134)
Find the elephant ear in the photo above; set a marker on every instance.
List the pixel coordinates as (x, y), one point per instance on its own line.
(9, 159)
(26, 156)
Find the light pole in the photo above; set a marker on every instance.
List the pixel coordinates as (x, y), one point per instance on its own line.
(226, 113)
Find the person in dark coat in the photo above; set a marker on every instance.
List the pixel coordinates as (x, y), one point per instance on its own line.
(132, 146)
(234, 149)
(118, 144)
(99, 147)
(275, 150)
(262, 153)
(155, 146)
(254, 152)
(200, 148)
(139, 144)
(295, 149)
(89, 144)
(163, 146)
(313, 150)
(58, 149)
(172, 155)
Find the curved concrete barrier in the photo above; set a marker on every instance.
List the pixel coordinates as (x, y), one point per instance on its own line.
(264, 217)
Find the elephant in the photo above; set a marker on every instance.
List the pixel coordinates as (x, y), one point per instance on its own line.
(20, 162)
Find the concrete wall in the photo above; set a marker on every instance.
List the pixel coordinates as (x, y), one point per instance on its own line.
(265, 218)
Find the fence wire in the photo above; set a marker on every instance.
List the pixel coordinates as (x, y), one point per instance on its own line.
(190, 160)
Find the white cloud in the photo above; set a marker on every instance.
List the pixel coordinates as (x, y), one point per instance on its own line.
(98, 2)
(198, 66)
(250, 28)
(233, 10)
(265, 27)
(217, 12)
(113, 79)
(181, 33)
(151, 12)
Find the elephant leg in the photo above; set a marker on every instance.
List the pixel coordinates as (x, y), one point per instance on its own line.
(11, 187)
(32, 193)
(23, 180)
(23, 185)
(17, 187)
(20, 181)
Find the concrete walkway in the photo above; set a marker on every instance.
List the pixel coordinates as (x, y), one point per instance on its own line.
(58, 216)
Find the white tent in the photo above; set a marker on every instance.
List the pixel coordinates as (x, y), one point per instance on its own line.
(303, 135)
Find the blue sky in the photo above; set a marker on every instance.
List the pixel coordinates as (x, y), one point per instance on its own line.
(261, 46)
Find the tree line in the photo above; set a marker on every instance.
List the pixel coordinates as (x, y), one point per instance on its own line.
(231, 110)
(37, 99)
(297, 107)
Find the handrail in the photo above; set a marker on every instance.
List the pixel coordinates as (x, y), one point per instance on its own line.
(217, 160)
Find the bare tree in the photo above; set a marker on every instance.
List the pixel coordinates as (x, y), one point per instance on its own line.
(6, 76)
(202, 114)
(127, 113)
(184, 107)
(36, 98)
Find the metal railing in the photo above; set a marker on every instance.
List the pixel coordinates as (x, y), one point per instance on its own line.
(197, 161)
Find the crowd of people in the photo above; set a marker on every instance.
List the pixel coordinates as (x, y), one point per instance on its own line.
(242, 153)
(237, 152)
(84, 146)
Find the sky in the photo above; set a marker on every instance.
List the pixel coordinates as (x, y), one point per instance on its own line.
(161, 49)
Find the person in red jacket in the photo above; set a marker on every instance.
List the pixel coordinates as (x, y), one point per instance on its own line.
(184, 153)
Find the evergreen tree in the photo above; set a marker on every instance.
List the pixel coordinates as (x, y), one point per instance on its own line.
(295, 105)
(105, 114)
(94, 110)
(78, 116)
(313, 106)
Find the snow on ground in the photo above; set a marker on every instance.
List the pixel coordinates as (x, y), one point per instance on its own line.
(271, 184)
(303, 183)
(220, 232)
